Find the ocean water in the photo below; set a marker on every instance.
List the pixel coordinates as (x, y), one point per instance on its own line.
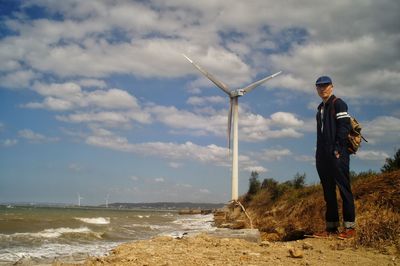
(43, 234)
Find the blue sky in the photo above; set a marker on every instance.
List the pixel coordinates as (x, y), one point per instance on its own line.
(96, 98)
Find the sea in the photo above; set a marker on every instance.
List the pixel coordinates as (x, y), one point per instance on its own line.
(42, 235)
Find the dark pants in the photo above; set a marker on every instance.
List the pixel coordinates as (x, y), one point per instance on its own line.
(335, 172)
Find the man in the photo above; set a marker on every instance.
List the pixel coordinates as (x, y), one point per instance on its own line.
(332, 159)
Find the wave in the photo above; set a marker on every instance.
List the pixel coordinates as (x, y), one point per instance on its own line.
(97, 220)
(54, 233)
(45, 254)
(196, 222)
(141, 216)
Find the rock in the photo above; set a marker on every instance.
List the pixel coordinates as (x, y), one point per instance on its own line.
(307, 246)
(251, 235)
(337, 246)
(265, 243)
(238, 224)
(295, 253)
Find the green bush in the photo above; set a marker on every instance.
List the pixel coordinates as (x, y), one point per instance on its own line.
(392, 164)
(254, 184)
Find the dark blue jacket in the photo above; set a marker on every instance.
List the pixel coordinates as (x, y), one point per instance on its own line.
(333, 126)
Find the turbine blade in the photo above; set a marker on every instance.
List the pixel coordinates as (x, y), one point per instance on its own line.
(219, 84)
(250, 87)
(229, 129)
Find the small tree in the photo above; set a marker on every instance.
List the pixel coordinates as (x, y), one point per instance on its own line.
(269, 183)
(254, 183)
(392, 164)
(299, 180)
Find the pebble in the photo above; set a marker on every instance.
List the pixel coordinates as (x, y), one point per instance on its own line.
(307, 246)
(295, 253)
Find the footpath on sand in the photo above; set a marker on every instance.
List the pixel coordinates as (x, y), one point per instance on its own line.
(206, 249)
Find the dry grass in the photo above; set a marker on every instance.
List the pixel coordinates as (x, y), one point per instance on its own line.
(301, 211)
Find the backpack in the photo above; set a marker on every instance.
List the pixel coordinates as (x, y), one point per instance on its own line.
(354, 138)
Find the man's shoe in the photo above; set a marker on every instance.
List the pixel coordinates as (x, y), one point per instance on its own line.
(348, 233)
(325, 234)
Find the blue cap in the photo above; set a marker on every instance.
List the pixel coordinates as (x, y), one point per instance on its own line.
(323, 80)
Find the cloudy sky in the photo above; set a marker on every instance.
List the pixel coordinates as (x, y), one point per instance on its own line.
(96, 98)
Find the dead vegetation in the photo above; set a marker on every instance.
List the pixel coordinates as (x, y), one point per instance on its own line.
(300, 211)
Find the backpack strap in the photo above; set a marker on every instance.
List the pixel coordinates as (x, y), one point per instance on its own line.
(333, 104)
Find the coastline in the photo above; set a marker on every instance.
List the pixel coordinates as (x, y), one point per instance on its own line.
(205, 249)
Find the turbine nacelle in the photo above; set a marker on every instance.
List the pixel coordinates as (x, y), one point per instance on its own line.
(237, 93)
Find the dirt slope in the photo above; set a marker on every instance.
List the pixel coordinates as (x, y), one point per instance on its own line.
(301, 211)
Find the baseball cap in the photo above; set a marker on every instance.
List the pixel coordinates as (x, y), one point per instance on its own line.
(323, 80)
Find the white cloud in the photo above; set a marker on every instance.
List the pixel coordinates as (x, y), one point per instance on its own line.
(371, 155)
(220, 37)
(51, 103)
(9, 142)
(18, 79)
(258, 169)
(33, 137)
(96, 83)
(286, 119)
(179, 152)
(204, 191)
(75, 167)
(184, 185)
(275, 154)
(252, 127)
(134, 178)
(175, 165)
(159, 180)
(195, 100)
(305, 158)
(382, 129)
(66, 96)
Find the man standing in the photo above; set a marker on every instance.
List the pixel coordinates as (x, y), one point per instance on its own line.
(333, 159)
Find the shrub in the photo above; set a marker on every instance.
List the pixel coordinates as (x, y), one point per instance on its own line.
(361, 175)
(254, 184)
(299, 180)
(392, 164)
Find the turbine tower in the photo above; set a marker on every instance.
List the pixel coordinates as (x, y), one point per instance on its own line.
(233, 115)
(108, 196)
(79, 199)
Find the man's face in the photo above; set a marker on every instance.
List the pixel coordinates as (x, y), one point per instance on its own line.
(324, 91)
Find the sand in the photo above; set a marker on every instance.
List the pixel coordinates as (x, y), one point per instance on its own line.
(210, 250)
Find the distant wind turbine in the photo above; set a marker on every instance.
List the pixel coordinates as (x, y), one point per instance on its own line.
(108, 196)
(233, 113)
(79, 199)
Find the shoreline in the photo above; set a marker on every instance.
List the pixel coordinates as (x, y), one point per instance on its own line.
(206, 249)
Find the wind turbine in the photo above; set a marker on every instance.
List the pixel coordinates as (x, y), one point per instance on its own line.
(79, 199)
(233, 115)
(108, 196)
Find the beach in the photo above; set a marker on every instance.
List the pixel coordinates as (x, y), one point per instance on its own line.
(132, 237)
(204, 249)
(33, 235)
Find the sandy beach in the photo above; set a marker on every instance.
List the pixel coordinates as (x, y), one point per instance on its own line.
(204, 249)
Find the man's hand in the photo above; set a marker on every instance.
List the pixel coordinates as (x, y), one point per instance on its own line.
(337, 154)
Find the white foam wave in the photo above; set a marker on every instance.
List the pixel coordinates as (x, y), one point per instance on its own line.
(149, 226)
(196, 222)
(48, 252)
(191, 224)
(97, 220)
(52, 232)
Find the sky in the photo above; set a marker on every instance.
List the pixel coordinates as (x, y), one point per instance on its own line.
(96, 98)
